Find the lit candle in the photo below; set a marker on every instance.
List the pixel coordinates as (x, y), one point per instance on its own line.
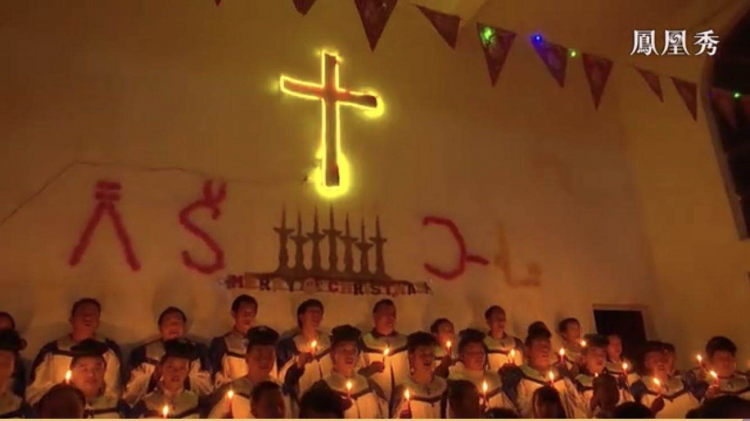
(715, 376)
(485, 388)
(314, 347)
(625, 369)
(230, 396)
(583, 343)
(551, 376)
(562, 355)
(448, 345)
(349, 386)
(657, 383)
(596, 375)
(512, 356)
(68, 375)
(385, 354)
(699, 358)
(407, 396)
(165, 411)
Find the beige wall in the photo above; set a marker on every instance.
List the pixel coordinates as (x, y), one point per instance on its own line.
(700, 262)
(186, 85)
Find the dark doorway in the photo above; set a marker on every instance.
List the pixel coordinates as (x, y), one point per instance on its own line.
(626, 323)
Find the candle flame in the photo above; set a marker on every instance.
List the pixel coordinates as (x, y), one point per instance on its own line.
(165, 411)
(596, 375)
(551, 376)
(699, 357)
(657, 382)
(624, 366)
(561, 352)
(448, 344)
(314, 345)
(349, 385)
(583, 343)
(68, 375)
(387, 351)
(230, 394)
(485, 386)
(714, 374)
(407, 394)
(512, 353)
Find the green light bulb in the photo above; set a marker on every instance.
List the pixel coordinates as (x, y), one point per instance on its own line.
(573, 53)
(487, 34)
(737, 95)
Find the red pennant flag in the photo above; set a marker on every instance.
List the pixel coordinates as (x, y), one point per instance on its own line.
(446, 25)
(374, 15)
(688, 92)
(725, 103)
(597, 72)
(653, 82)
(303, 6)
(745, 102)
(218, 2)
(496, 44)
(555, 57)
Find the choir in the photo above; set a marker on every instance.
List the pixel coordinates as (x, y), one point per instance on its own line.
(252, 372)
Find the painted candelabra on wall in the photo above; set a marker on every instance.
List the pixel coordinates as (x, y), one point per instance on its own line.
(361, 279)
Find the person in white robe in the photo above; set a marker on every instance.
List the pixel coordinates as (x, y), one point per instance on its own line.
(445, 349)
(472, 353)
(87, 375)
(234, 399)
(573, 343)
(501, 347)
(304, 357)
(617, 364)
(53, 361)
(144, 360)
(423, 395)
(667, 396)
(227, 352)
(722, 377)
(11, 404)
(171, 399)
(383, 350)
(364, 397)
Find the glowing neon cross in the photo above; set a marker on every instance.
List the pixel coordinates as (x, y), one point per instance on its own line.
(331, 97)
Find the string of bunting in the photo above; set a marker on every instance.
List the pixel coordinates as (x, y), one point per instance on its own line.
(496, 44)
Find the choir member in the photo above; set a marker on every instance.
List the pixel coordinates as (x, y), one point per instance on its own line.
(670, 355)
(144, 360)
(267, 401)
(667, 396)
(445, 349)
(383, 350)
(19, 373)
(616, 363)
(322, 402)
(11, 404)
(365, 397)
(572, 343)
(87, 374)
(228, 351)
(304, 357)
(53, 360)
(473, 355)
(423, 394)
(171, 399)
(61, 401)
(501, 347)
(722, 352)
(539, 372)
(234, 400)
(463, 400)
(584, 401)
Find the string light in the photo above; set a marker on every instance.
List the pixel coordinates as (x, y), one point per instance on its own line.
(537, 38)
(737, 95)
(487, 34)
(572, 53)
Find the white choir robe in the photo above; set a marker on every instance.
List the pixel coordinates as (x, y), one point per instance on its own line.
(738, 384)
(677, 398)
(366, 396)
(53, 362)
(426, 401)
(531, 380)
(396, 363)
(582, 390)
(105, 407)
(498, 351)
(616, 370)
(227, 355)
(297, 381)
(185, 404)
(496, 397)
(12, 406)
(240, 406)
(143, 362)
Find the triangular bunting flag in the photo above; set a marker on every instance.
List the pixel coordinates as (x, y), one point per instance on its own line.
(496, 44)
(218, 2)
(303, 6)
(745, 102)
(446, 25)
(374, 15)
(725, 103)
(597, 72)
(555, 57)
(652, 79)
(688, 92)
